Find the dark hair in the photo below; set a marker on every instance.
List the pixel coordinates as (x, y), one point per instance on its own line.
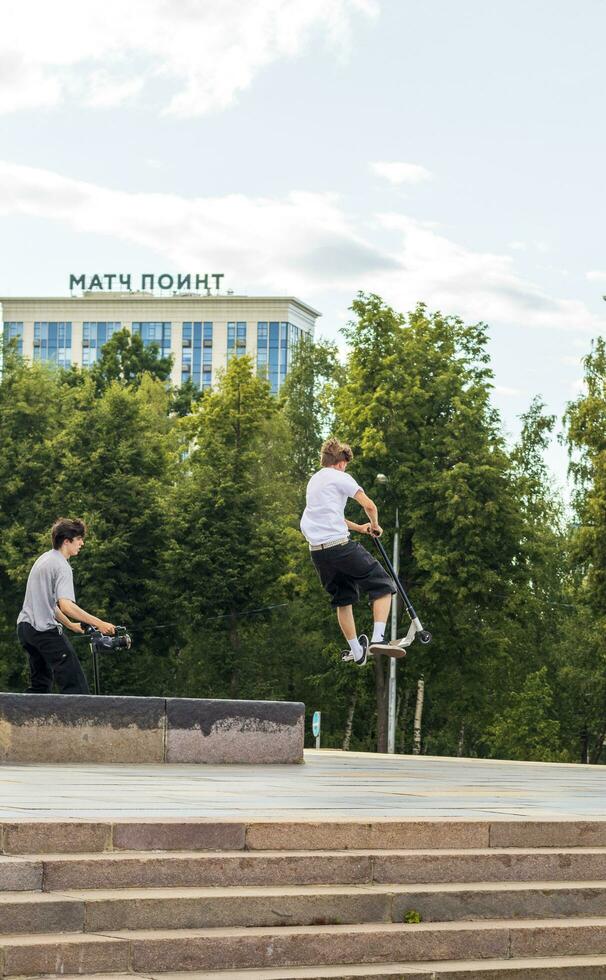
(334, 451)
(66, 529)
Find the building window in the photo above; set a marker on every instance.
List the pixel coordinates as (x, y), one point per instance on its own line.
(207, 356)
(236, 339)
(275, 345)
(197, 353)
(273, 360)
(94, 335)
(53, 342)
(262, 348)
(13, 330)
(154, 332)
(284, 346)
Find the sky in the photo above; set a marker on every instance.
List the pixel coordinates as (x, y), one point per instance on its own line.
(447, 152)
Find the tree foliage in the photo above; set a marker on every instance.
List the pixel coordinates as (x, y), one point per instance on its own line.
(193, 502)
(416, 406)
(126, 360)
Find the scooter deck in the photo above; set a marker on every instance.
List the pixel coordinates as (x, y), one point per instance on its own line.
(395, 652)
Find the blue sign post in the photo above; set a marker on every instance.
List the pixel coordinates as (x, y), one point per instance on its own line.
(316, 724)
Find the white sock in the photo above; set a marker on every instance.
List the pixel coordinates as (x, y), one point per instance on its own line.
(356, 649)
(378, 631)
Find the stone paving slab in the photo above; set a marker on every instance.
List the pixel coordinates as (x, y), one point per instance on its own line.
(337, 785)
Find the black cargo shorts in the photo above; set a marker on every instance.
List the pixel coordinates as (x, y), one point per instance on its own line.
(346, 570)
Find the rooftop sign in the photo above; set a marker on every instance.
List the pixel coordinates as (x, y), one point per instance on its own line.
(148, 280)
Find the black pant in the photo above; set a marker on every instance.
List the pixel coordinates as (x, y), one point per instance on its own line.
(51, 657)
(346, 570)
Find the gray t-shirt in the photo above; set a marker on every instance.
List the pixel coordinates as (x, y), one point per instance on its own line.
(50, 579)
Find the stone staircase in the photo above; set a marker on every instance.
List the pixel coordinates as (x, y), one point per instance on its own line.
(181, 900)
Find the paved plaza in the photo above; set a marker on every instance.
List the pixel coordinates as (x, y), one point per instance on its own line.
(330, 784)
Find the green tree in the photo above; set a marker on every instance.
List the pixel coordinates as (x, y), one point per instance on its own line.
(184, 398)
(34, 409)
(583, 669)
(193, 502)
(416, 405)
(538, 607)
(232, 508)
(527, 729)
(125, 359)
(307, 403)
(116, 468)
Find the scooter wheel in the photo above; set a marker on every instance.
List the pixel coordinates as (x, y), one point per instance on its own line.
(425, 636)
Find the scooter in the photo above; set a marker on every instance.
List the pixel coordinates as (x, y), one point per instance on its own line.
(415, 627)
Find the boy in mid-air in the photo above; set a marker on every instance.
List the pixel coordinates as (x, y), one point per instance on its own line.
(346, 568)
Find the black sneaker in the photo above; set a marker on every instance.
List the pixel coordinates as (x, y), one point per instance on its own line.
(348, 657)
(363, 641)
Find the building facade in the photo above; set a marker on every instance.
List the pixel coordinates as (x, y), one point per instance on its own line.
(201, 332)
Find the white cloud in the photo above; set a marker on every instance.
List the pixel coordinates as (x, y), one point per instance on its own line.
(302, 243)
(24, 85)
(401, 173)
(104, 52)
(596, 275)
(476, 285)
(539, 246)
(507, 392)
(303, 240)
(104, 89)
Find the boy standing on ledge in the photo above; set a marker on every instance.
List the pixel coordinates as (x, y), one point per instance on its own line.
(345, 568)
(49, 602)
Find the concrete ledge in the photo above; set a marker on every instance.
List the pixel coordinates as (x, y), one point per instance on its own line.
(81, 728)
(53, 728)
(234, 731)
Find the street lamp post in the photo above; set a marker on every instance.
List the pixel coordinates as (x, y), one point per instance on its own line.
(392, 689)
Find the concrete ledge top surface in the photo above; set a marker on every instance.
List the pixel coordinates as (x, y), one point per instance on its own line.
(191, 712)
(145, 712)
(332, 785)
(78, 709)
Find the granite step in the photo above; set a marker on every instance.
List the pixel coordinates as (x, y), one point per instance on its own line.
(20, 874)
(195, 869)
(78, 836)
(540, 968)
(55, 872)
(153, 952)
(544, 968)
(102, 910)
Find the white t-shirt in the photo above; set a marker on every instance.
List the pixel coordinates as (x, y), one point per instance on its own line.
(327, 494)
